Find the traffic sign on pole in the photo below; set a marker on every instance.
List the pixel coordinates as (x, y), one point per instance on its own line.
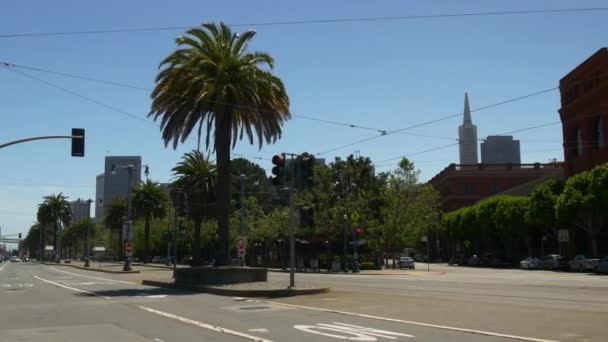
(129, 247)
(563, 235)
(242, 246)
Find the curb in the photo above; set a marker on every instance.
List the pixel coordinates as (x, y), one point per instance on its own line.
(237, 293)
(361, 274)
(91, 268)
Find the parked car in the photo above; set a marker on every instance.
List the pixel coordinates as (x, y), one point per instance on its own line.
(457, 260)
(551, 262)
(530, 263)
(601, 266)
(581, 264)
(157, 259)
(474, 261)
(15, 259)
(407, 262)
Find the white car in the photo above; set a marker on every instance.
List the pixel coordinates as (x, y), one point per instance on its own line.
(407, 262)
(15, 259)
(529, 263)
(581, 264)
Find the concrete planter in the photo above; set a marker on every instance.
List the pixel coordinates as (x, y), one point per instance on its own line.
(219, 275)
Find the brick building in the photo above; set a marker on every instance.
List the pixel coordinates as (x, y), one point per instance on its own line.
(463, 185)
(584, 113)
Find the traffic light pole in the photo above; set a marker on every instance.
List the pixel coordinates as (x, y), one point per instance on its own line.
(292, 230)
(354, 229)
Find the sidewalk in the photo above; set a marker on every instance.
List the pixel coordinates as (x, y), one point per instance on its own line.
(113, 266)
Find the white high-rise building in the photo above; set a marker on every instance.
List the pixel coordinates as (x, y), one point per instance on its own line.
(467, 136)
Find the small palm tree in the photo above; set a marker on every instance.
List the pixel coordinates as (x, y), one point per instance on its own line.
(149, 201)
(55, 210)
(212, 80)
(115, 217)
(196, 175)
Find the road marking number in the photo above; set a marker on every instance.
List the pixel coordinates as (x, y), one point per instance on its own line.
(350, 332)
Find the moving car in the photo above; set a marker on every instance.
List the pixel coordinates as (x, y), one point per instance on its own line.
(457, 260)
(474, 261)
(530, 263)
(581, 264)
(406, 262)
(601, 266)
(15, 259)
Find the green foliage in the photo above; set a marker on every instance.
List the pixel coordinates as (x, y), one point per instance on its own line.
(584, 201)
(367, 265)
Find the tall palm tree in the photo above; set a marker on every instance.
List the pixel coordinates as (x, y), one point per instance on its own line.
(149, 201)
(55, 210)
(212, 80)
(196, 175)
(115, 217)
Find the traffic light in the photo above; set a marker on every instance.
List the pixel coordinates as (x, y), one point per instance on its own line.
(358, 232)
(307, 165)
(78, 143)
(278, 170)
(20, 235)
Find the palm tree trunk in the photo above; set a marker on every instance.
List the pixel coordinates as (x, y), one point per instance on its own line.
(223, 187)
(196, 244)
(146, 237)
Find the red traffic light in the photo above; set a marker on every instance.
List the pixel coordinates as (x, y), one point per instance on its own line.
(358, 230)
(278, 160)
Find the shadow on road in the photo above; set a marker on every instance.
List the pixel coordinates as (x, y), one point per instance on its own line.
(137, 293)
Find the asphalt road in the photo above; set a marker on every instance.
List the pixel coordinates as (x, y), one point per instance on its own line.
(45, 303)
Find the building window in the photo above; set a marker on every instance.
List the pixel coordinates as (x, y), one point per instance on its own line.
(468, 189)
(599, 132)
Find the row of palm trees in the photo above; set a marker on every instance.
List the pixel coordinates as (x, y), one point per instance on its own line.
(214, 84)
(195, 176)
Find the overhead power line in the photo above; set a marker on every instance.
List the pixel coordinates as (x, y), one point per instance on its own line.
(308, 22)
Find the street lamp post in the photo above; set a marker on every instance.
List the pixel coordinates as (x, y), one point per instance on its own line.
(129, 168)
(354, 231)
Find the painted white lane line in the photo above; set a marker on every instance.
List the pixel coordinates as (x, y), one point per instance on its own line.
(98, 278)
(444, 327)
(204, 325)
(3, 266)
(70, 288)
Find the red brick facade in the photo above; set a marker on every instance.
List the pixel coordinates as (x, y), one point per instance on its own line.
(463, 185)
(584, 113)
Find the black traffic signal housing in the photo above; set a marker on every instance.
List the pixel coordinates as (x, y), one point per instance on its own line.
(77, 142)
(358, 232)
(307, 166)
(20, 235)
(278, 170)
(306, 217)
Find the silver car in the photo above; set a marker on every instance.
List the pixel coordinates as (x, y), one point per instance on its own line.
(407, 262)
(580, 263)
(529, 263)
(602, 266)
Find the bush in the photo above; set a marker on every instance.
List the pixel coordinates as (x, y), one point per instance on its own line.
(367, 265)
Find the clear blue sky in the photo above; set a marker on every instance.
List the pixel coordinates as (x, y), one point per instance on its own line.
(384, 74)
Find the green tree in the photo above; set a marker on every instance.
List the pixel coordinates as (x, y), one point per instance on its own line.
(32, 241)
(115, 217)
(511, 223)
(55, 210)
(584, 201)
(212, 80)
(256, 182)
(196, 175)
(541, 210)
(150, 202)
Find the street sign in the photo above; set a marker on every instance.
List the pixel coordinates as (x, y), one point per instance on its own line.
(241, 246)
(129, 247)
(562, 235)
